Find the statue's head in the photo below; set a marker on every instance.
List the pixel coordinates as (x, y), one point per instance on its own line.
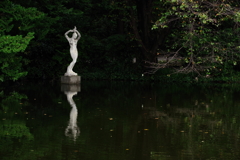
(74, 35)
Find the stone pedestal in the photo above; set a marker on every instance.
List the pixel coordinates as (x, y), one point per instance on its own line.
(70, 88)
(70, 79)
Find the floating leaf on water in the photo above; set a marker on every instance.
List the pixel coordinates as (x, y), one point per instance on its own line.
(110, 119)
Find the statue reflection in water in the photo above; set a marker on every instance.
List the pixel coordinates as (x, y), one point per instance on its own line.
(72, 129)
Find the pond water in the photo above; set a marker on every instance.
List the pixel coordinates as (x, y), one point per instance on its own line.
(120, 121)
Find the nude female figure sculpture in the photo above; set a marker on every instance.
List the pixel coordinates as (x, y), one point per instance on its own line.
(73, 50)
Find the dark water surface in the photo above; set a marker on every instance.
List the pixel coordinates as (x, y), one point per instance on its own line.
(120, 121)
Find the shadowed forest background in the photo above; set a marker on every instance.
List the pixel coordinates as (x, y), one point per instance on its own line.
(166, 40)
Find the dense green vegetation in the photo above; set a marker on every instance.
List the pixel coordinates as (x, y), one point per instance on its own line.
(199, 39)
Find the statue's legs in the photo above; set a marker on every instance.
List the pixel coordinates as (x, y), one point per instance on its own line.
(69, 69)
(74, 55)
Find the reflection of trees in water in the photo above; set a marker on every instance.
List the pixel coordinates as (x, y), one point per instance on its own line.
(203, 129)
(10, 107)
(14, 133)
(175, 123)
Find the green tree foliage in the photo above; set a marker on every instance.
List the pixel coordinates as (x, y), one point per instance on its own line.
(15, 21)
(11, 63)
(204, 35)
(195, 36)
(48, 54)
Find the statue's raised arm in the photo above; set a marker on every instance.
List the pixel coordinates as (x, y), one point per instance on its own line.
(66, 34)
(78, 34)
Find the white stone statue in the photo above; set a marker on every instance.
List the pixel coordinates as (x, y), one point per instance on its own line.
(73, 50)
(72, 129)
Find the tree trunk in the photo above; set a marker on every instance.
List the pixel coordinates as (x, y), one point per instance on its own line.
(141, 23)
